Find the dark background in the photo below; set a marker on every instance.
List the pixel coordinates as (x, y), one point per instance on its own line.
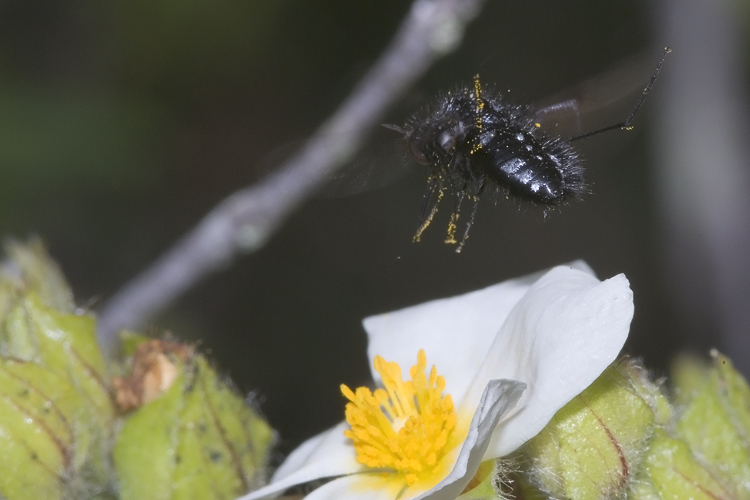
(122, 124)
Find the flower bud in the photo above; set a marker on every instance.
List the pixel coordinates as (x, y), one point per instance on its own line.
(29, 268)
(670, 470)
(55, 409)
(37, 448)
(190, 435)
(715, 425)
(593, 446)
(687, 374)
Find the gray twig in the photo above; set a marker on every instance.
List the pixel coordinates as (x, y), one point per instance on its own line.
(246, 219)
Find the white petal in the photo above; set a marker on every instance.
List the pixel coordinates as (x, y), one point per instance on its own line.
(558, 339)
(329, 454)
(498, 399)
(355, 487)
(455, 332)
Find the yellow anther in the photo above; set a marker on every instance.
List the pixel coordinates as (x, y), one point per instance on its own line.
(405, 426)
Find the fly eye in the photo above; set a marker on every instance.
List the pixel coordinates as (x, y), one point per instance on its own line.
(417, 153)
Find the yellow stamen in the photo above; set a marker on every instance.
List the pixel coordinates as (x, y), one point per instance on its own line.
(404, 427)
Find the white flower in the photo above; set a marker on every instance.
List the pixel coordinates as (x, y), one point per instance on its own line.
(509, 356)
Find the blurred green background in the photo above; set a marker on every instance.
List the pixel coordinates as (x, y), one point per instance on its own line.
(122, 123)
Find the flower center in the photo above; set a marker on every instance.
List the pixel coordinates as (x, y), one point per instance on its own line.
(404, 427)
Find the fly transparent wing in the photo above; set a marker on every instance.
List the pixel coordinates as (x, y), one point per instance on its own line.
(591, 103)
(379, 163)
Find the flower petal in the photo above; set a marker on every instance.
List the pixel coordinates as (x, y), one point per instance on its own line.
(328, 454)
(556, 331)
(357, 487)
(558, 339)
(454, 332)
(498, 399)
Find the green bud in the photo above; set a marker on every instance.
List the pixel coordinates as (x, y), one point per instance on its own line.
(36, 440)
(55, 409)
(193, 437)
(688, 374)
(592, 447)
(716, 426)
(190, 437)
(482, 485)
(29, 268)
(735, 394)
(670, 471)
(64, 343)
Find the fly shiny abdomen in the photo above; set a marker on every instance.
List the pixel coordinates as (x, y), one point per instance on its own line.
(520, 163)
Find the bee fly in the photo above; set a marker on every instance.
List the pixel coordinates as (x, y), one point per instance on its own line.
(473, 143)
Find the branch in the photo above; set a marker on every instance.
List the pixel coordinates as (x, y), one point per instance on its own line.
(245, 220)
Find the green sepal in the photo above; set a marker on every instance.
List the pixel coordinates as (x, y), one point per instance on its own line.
(687, 375)
(144, 453)
(735, 395)
(482, 485)
(670, 471)
(49, 398)
(36, 332)
(56, 434)
(592, 446)
(715, 425)
(239, 424)
(34, 448)
(65, 343)
(198, 440)
(29, 268)
(56, 414)
(65, 346)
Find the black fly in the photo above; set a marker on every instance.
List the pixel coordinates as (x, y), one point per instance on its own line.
(473, 143)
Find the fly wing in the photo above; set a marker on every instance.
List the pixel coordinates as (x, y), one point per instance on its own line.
(379, 163)
(592, 103)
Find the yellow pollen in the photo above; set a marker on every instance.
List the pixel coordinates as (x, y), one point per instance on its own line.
(404, 427)
(480, 106)
(452, 226)
(430, 216)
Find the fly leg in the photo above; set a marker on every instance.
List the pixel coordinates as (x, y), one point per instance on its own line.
(475, 198)
(453, 223)
(432, 198)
